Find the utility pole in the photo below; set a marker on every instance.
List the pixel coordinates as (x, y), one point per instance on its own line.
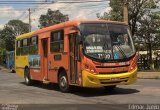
(29, 10)
(125, 11)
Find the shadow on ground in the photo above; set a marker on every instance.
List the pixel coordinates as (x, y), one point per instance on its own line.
(87, 92)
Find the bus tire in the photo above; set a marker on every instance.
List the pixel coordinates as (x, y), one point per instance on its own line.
(110, 88)
(63, 82)
(27, 77)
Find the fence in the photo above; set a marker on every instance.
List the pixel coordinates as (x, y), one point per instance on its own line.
(144, 63)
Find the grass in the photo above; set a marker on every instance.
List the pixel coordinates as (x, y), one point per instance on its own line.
(157, 77)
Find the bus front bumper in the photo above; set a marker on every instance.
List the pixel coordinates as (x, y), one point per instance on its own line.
(97, 80)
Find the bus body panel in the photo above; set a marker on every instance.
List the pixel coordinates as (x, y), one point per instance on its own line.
(91, 80)
(35, 67)
(57, 61)
(21, 63)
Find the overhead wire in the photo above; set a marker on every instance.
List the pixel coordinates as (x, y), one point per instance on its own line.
(85, 1)
(21, 15)
(46, 2)
(43, 6)
(25, 2)
(64, 8)
(88, 14)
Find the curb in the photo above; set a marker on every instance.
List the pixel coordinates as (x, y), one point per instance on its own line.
(3, 69)
(157, 77)
(148, 75)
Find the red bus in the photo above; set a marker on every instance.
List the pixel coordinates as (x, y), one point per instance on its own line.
(87, 53)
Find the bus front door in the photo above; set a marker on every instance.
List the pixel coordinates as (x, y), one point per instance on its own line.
(73, 48)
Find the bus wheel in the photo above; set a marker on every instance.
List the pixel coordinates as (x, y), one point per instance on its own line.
(27, 77)
(110, 88)
(63, 82)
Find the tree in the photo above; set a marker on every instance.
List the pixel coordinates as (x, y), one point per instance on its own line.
(12, 29)
(137, 8)
(149, 32)
(51, 18)
(1, 40)
(8, 38)
(116, 12)
(2, 54)
(2, 48)
(18, 27)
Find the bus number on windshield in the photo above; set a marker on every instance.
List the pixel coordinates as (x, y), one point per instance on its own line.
(106, 56)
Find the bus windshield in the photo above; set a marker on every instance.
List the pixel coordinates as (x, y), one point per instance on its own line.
(107, 41)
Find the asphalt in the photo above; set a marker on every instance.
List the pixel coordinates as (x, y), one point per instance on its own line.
(14, 91)
(140, 74)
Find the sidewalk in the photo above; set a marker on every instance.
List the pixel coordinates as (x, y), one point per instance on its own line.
(149, 75)
(2, 68)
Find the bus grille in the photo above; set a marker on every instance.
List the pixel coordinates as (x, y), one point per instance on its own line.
(113, 82)
(113, 72)
(109, 81)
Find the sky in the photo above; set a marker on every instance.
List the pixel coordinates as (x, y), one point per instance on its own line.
(74, 10)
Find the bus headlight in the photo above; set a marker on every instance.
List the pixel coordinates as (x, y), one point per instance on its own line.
(133, 66)
(90, 69)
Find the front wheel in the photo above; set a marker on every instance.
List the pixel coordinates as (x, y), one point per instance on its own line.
(27, 77)
(63, 82)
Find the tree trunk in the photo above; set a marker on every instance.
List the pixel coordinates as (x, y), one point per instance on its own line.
(150, 55)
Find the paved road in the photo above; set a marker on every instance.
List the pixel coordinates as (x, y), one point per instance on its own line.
(14, 91)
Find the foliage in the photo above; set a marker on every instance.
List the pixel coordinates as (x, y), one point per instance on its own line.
(149, 31)
(51, 18)
(137, 9)
(8, 38)
(18, 27)
(2, 55)
(116, 12)
(12, 29)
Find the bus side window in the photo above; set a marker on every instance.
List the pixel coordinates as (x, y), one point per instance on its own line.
(25, 48)
(18, 48)
(33, 48)
(57, 41)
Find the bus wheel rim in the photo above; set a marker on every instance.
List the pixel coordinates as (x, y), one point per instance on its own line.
(63, 82)
(27, 80)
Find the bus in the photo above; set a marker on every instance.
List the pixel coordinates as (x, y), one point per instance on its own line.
(10, 60)
(86, 53)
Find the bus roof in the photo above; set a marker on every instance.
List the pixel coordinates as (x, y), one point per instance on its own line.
(62, 25)
(25, 35)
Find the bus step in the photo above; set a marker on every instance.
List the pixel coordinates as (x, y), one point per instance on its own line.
(45, 81)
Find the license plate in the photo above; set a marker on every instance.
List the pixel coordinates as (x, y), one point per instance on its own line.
(115, 79)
